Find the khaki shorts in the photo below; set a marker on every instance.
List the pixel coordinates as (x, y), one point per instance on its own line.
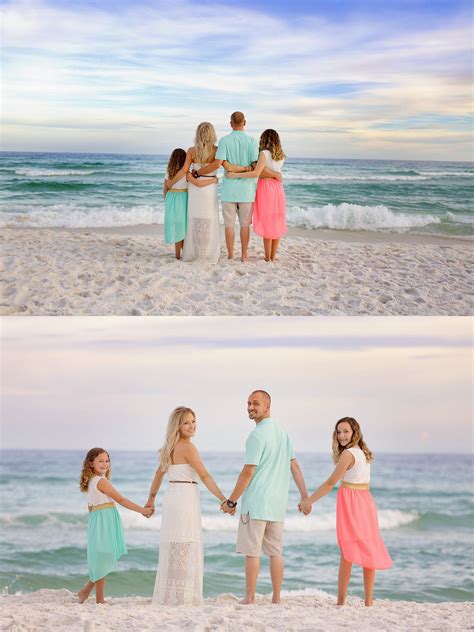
(253, 535)
(242, 209)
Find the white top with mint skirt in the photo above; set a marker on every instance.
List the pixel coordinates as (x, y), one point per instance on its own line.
(94, 495)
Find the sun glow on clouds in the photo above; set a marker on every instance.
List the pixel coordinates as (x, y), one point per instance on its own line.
(141, 76)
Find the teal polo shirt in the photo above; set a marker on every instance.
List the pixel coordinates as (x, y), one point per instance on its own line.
(269, 448)
(240, 149)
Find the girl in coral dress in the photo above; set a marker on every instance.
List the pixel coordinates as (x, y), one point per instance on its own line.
(269, 208)
(357, 525)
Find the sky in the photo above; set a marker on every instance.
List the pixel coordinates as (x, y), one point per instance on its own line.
(76, 382)
(337, 79)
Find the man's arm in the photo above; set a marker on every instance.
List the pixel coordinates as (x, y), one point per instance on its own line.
(241, 485)
(299, 479)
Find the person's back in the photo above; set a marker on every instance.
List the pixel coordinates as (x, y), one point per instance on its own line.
(269, 448)
(238, 148)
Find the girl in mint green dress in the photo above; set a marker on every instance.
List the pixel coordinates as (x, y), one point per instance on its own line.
(105, 541)
(175, 191)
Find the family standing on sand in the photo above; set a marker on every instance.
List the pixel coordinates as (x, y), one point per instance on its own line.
(263, 486)
(190, 191)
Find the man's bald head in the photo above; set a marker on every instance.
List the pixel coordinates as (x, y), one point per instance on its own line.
(258, 405)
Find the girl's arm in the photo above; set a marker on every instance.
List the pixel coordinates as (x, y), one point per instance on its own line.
(228, 166)
(106, 487)
(255, 173)
(191, 455)
(155, 488)
(345, 462)
(184, 169)
(198, 182)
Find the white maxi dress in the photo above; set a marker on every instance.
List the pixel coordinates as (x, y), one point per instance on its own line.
(202, 241)
(181, 558)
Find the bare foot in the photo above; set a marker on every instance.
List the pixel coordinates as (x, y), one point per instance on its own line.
(230, 257)
(244, 258)
(247, 602)
(276, 601)
(369, 603)
(82, 595)
(340, 603)
(102, 602)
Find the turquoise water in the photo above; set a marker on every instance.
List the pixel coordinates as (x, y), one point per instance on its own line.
(425, 505)
(86, 190)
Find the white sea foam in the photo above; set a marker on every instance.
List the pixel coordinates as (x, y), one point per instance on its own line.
(388, 519)
(356, 217)
(76, 216)
(370, 178)
(460, 174)
(50, 173)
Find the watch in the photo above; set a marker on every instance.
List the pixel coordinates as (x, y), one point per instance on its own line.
(231, 504)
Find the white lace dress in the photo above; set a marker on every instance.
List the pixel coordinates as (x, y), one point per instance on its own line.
(202, 241)
(181, 558)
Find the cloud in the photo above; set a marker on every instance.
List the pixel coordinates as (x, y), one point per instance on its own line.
(157, 65)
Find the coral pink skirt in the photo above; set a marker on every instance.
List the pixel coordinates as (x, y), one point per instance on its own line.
(269, 209)
(357, 529)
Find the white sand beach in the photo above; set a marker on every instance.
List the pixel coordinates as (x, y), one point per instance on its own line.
(130, 271)
(58, 610)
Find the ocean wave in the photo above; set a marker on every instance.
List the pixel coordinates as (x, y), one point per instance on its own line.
(51, 173)
(459, 218)
(458, 174)
(355, 217)
(75, 216)
(352, 178)
(388, 519)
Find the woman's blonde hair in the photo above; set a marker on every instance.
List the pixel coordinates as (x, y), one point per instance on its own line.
(87, 471)
(175, 421)
(204, 142)
(271, 141)
(357, 440)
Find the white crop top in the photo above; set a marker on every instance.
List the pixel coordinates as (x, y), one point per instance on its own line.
(360, 471)
(94, 495)
(180, 184)
(276, 165)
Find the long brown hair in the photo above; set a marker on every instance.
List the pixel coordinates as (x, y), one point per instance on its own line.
(87, 471)
(356, 441)
(176, 162)
(271, 141)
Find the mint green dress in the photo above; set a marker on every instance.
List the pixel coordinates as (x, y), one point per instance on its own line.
(176, 213)
(105, 539)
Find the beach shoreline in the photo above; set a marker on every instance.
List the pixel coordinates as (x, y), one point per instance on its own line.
(130, 271)
(314, 234)
(59, 610)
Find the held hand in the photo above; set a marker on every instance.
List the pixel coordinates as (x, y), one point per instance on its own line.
(305, 506)
(147, 512)
(151, 505)
(226, 509)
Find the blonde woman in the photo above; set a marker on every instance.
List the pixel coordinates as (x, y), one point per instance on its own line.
(181, 560)
(202, 241)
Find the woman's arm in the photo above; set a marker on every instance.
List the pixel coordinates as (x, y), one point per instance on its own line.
(200, 182)
(255, 173)
(214, 164)
(106, 487)
(191, 455)
(345, 462)
(270, 173)
(154, 488)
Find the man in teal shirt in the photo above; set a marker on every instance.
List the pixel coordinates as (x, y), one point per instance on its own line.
(238, 194)
(264, 482)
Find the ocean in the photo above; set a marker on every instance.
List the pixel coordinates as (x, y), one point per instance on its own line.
(88, 190)
(425, 507)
